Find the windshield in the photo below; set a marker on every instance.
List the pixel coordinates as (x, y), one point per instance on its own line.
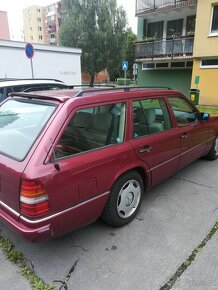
(20, 124)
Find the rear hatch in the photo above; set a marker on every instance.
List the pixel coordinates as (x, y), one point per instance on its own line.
(21, 122)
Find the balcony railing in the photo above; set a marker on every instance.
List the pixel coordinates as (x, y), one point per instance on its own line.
(151, 6)
(165, 49)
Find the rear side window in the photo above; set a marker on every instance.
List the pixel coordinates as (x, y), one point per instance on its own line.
(1, 94)
(93, 128)
(20, 124)
(183, 111)
(150, 116)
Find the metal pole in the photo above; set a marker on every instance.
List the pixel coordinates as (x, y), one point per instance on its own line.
(32, 68)
(125, 77)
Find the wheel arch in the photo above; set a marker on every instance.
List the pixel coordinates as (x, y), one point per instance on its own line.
(139, 169)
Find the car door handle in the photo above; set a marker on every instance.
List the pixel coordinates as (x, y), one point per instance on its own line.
(145, 149)
(184, 136)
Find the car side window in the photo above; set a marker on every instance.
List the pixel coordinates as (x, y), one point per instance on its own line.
(1, 95)
(183, 111)
(93, 128)
(150, 116)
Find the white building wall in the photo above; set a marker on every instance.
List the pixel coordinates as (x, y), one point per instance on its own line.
(48, 62)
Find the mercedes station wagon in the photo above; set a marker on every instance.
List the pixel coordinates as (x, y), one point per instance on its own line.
(69, 157)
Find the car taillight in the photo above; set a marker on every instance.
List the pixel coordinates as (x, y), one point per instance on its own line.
(33, 199)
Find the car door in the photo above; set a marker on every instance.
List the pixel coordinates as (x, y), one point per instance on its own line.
(90, 151)
(154, 139)
(193, 133)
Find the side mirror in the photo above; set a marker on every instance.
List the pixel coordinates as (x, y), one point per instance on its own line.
(203, 117)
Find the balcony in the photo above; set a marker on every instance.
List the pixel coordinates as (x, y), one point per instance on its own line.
(178, 48)
(52, 29)
(152, 6)
(52, 41)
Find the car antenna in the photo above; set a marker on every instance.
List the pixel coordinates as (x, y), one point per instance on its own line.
(56, 165)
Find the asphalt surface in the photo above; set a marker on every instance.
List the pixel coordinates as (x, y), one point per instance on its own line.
(155, 249)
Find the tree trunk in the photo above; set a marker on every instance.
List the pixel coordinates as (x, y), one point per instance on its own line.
(92, 80)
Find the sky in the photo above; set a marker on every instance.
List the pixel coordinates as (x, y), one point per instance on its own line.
(15, 18)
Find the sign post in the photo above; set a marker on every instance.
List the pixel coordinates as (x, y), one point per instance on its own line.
(197, 80)
(135, 71)
(124, 68)
(29, 50)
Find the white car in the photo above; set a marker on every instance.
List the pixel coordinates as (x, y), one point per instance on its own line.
(8, 86)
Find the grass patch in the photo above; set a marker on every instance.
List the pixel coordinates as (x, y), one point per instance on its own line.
(208, 109)
(17, 258)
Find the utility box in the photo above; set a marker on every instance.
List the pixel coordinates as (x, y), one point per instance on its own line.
(194, 96)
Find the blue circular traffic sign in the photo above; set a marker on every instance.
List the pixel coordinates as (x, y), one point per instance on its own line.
(29, 50)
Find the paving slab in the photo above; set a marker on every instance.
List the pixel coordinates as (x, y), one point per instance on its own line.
(174, 218)
(203, 272)
(10, 276)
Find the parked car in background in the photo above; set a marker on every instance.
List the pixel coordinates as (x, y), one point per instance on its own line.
(8, 86)
(85, 154)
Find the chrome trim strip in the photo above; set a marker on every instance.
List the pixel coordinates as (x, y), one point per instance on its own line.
(196, 146)
(61, 212)
(159, 165)
(181, 154)
(9, 209)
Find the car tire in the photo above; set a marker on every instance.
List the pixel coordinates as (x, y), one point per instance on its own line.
(125, 200)
(213, 153)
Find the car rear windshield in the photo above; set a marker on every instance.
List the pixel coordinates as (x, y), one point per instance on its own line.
(21, 121)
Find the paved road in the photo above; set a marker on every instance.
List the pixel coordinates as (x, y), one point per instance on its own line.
(156, 248)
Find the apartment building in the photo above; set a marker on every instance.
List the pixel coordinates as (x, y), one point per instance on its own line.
(42, 24)
(4, 27)
(54, 16)
(34, 25)
(164, 50)
(205, 66)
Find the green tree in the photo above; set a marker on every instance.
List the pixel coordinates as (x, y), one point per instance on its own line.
(130, 50)
(98, 28)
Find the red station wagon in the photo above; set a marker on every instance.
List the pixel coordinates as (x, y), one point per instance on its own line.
(69, 157)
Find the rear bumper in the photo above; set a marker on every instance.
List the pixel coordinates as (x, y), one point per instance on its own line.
(54, 225)
(35, 234)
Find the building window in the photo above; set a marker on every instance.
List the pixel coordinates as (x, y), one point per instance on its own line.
(39, 28)
(214, 23)
(190, 25)
(162, 65)
(39, 19)
(31, 29)
(38, 10)
(189, 64)
(178, 64)
(31, 37)
(167, 65)
(155, 30)
(40, 37)
(174, 28)
(148, 66)
(209, 63)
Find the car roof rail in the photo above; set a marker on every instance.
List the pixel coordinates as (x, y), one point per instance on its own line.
(125, 89)
(93, 86)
